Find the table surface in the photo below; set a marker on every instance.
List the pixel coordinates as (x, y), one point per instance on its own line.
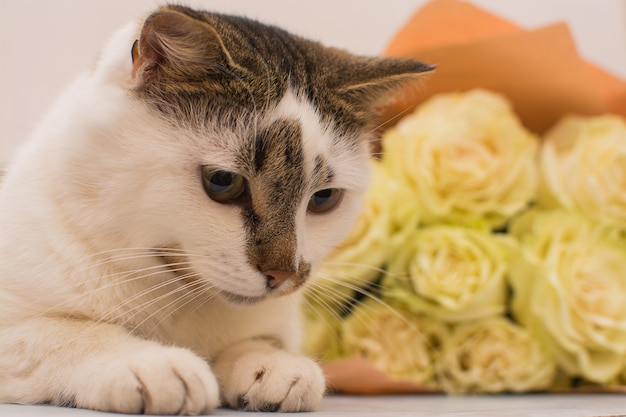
(567, 405)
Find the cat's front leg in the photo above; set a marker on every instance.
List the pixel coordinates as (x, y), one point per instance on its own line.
(256, 376)
(102, 367)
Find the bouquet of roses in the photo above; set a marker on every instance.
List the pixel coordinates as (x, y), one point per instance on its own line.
(486, 259)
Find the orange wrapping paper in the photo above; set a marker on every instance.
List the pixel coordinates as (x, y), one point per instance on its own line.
(358, 376)
(539, 71)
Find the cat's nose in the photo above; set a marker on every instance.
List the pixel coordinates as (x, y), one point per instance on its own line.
(275, 278)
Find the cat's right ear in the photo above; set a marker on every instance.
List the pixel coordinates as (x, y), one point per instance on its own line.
(173, 46)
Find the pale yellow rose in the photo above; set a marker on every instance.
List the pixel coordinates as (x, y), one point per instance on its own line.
(466, 158)
(583, 167)
(451, 272)
(402, 345)
(570, 289)
(358, 260)
(494, 355)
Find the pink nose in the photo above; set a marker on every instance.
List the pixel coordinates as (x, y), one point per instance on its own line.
(276, 278)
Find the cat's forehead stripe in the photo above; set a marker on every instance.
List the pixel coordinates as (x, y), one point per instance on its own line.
(316, 136)
(321, 144)
(279, 143)
(282, 136)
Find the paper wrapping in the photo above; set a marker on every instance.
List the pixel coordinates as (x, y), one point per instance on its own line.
(539, 70)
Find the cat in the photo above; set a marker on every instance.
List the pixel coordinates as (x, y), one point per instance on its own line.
(158, 228)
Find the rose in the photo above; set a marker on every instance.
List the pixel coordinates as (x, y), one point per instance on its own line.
(493, 355)
(583, 167)
(569, 288)
(400, 344)
(466, 157)
(357, 261)
(451, 272)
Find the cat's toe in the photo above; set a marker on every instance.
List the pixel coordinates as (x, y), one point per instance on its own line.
(162, 381)
(276, 382)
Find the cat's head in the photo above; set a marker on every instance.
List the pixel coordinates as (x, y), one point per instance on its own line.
(252, 154)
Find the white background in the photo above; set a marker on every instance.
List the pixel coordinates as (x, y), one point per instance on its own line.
(45, 44)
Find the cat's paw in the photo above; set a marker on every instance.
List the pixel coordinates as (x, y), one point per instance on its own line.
(277, 381)
(158, 380)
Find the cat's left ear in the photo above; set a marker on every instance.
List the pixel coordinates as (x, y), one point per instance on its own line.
(175, 46)
(369, 83)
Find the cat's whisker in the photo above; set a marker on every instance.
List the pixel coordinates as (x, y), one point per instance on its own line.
(80, 294)
(128, 276)
(377, 139)
(333, 300)
(363, 318)
(134, 307)
(201, 290)
(161, 268)
(380, 270)
(94, 259)
(150, 253)
(354, 303)
(376, 299)
(129, 314)
(360, 265)
(160, 311)
(334, 307)
(157, 287)
(204, 290)
(344, 280)
(383, 153)
(334, 331)
(146, 250)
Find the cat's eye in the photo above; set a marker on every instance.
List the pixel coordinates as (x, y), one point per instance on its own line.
(325, 200)
(222, 186)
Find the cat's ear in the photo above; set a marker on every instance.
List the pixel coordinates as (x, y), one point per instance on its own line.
(175, 46)
(370, 83)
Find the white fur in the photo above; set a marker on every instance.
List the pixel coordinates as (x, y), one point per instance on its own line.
(101, 182)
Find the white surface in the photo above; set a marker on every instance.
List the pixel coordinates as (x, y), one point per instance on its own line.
(585, 405)
(45, 44)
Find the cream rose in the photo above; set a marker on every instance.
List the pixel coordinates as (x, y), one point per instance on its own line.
(570, 289)
(451, 272)
(494, 355)
(466, 157)
(402, 345)
(583, 167)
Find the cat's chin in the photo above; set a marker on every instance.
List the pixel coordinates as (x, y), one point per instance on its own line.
(250, 300)
(242, 299)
